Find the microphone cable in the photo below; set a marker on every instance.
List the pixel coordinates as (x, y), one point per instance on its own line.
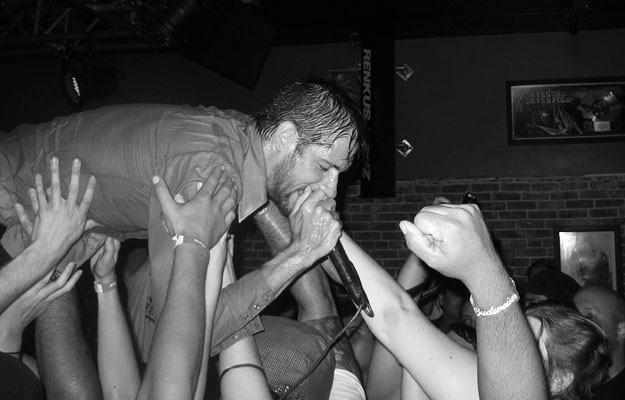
(323, 355)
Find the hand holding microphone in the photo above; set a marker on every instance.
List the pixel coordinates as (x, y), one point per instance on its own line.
(314, 218)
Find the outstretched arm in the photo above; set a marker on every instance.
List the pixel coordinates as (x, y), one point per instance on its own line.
(406, 332)
(384, 380)
(454, 240)
(58, 224)
(117, 364)
(176, 353)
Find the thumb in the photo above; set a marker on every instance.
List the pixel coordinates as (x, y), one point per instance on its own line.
(162, 193)
(417, 242)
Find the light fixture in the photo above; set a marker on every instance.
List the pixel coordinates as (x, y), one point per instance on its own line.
(84, 81)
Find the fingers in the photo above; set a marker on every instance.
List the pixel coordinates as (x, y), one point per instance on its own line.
(74, 183)
(229, 218)
(59, 273)
(42, 199)
(90, 224)
(416, 240)
(55, 183)
(212, 181)
(67, 285)
(87, 198)
(34, 202)
(24, 219)
(179, 199)
(301, 199)
(162, 193)
(224, 192)
(96, 258)
(111, 249)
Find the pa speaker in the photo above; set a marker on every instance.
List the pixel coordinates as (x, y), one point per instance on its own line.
(240, 48)
(227, 38)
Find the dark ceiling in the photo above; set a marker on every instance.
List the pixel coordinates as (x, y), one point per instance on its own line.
(34, 28)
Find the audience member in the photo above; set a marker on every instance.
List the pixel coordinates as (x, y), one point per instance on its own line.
(453, 239)
(64, 362)
(450, 300)
(607, 308)
(574, 350)
(463, 332)
(540, 265)
(545, 283)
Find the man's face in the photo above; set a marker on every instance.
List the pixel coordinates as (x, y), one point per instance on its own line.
(316, 166)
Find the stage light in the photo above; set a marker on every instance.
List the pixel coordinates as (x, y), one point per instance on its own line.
(84, 81)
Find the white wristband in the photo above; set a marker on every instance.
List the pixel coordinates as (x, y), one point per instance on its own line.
(104, 287)
(180, 239)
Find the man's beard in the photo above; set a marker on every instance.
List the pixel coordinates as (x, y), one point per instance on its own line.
(280, 183)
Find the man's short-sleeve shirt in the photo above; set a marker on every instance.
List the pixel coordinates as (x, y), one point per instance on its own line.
(123, 147)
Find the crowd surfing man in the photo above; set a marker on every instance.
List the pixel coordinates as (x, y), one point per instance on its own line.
(308, 134)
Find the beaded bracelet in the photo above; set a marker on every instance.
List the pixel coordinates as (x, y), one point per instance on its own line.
(492, 311)
(241, 366)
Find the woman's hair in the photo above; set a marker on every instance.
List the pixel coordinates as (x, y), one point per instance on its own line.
(576, 346)
(322, 110)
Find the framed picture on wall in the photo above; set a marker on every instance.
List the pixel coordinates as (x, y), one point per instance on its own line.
(566, 111)
(590, 254)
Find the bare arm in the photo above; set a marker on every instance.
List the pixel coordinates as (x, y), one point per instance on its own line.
(58, 224)
(385, 374)
(454, 240)
(117, 364)
(244, 382)
(418, 345)
(176, 353)
(66, 366)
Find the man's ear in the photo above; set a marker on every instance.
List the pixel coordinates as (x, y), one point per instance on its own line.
(285, 137)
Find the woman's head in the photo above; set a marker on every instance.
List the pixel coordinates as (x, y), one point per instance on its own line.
(574, 350)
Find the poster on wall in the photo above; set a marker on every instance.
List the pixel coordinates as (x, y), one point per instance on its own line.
(566, 111)
(590, 254)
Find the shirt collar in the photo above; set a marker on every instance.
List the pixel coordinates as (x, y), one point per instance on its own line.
(254, 176)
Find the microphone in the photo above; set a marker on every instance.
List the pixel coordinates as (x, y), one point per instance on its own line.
(350, 278)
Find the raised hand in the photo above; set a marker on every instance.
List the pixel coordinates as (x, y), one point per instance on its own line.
(103, 262)
(58, 222)
(208, 215)
(453, 239)
(315, 226)
(32, 303)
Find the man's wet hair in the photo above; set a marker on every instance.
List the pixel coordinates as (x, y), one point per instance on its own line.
(322, 111)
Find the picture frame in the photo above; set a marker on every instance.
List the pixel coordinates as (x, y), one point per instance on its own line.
(590, 254)
(566, 110)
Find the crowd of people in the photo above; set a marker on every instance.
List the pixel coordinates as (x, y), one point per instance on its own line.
(72, 190)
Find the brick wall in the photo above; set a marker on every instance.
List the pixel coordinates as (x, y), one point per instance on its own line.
(520, 212)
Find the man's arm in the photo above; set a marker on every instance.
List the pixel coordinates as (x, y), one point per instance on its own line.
(408, 334)
(244, 299)
(385, 374)
(454, 240)
(117, 364)
(176, 352)
(65, 363)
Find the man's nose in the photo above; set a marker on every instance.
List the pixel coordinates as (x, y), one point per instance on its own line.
(330, 182)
